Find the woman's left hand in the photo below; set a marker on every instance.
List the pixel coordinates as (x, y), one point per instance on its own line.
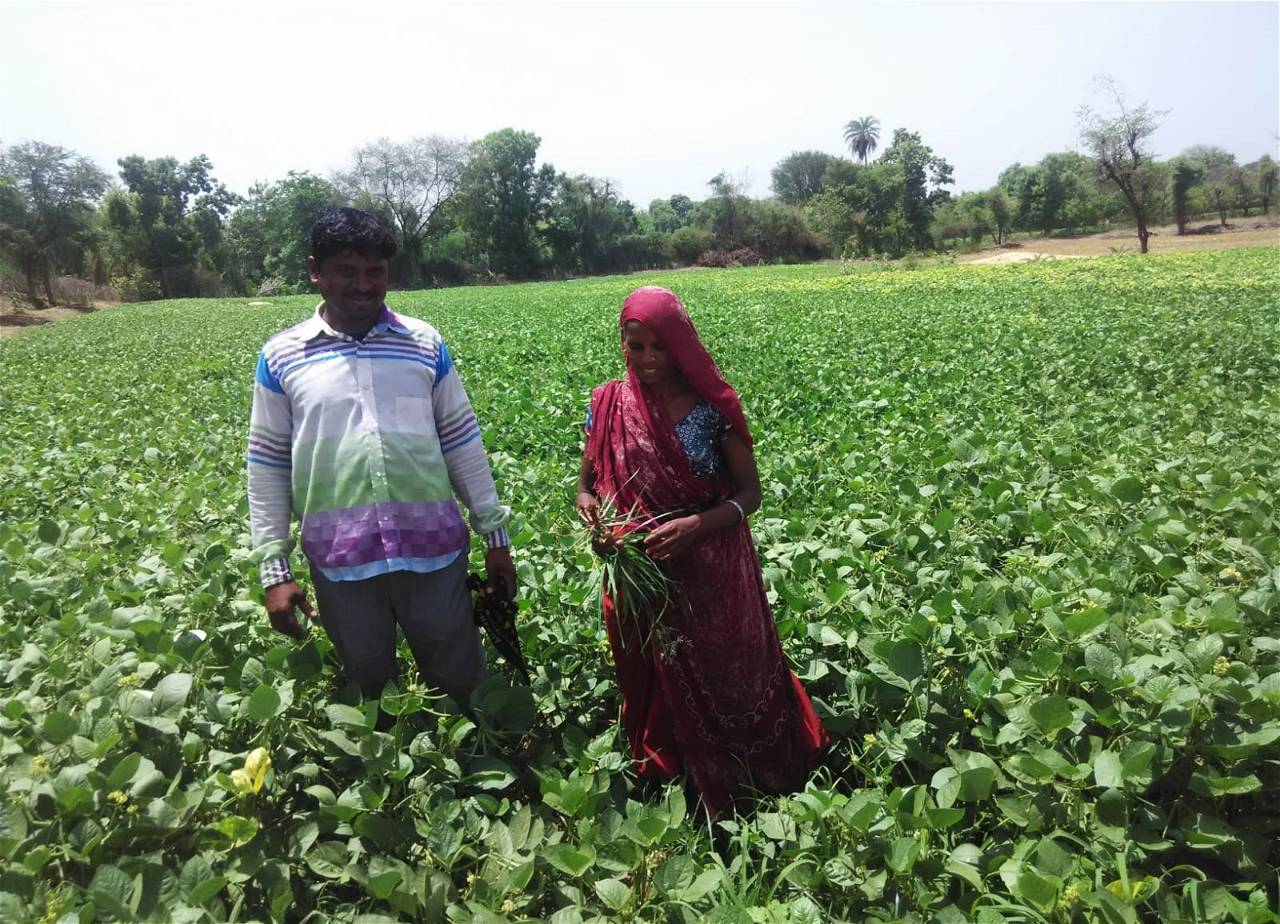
(672, 538)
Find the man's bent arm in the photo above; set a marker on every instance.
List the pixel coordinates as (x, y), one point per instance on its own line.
(464, 455)
(270, 464)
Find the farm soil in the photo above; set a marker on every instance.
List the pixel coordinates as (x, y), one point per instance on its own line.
(16, 317)
(1245, 232)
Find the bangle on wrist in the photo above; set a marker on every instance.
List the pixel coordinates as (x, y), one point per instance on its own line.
(742, 514)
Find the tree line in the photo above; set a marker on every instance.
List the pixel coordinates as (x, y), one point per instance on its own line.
(488, 210)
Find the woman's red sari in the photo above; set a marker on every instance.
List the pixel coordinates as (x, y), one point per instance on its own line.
(707, 691)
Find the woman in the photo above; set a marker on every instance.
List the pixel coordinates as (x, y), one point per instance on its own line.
(707, 690)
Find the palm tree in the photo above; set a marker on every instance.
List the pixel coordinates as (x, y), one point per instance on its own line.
(861, 135)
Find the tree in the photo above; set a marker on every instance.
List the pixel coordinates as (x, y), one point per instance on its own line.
(965, 218)
(1267, 175)
(1186, 172)
(169, 223)
(864, 216)
(1050, 191)
(862, 135)
(798, 177)
(683, 206)
(1221, 189)
(723, 213)
(923, 176)
(1119, 145)
(46, 210)
(834, 213)
(1001, 213)
(586, 224)
(841, 172)
(1244, 186)
(406, 182)
(779, 232)
(669, 215)
(269, 236)
(503, 198)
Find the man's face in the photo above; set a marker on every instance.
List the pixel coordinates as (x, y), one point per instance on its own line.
(353, 287)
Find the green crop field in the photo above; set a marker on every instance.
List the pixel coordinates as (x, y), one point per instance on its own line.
(1021, 530)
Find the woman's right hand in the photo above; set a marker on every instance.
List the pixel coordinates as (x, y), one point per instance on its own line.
(588, 509)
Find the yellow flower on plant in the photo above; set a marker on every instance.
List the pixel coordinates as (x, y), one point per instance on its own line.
(254, 774)
(1221, 666)
(117, 797)
(39, 765)
(868, 739)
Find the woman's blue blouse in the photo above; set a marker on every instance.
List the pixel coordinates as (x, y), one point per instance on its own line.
(700, 432)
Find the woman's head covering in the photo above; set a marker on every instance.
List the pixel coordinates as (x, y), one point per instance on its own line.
(663, 313)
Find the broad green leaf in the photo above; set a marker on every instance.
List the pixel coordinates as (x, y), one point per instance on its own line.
(1086, 621)
(329, 859)
(1108, 771)
(1039, 889)
(238, 830)
(614, 894)
(262, 704)
(569, 859)
(903, 853)
(1128, 489)
(906, 660)
(171, 693)
(1051, 713)
(1102, 662)
(49, 532)
(113, 889)
(58, 727)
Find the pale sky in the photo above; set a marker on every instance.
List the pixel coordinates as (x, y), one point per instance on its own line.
(657, 97)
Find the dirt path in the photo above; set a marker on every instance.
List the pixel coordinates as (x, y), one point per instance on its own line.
(16, 318)
(1245, 232)
(1022, 256)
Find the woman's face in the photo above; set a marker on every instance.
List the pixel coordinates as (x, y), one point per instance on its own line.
(646, 356)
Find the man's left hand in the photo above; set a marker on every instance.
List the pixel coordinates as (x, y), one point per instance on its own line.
(501, 573)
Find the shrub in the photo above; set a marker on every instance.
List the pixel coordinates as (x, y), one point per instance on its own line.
(723, 259)
(687, 244)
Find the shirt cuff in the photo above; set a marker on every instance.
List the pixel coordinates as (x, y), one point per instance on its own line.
(497, 539)
(275, 571)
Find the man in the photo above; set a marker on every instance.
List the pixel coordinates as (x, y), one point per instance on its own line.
(361, 425)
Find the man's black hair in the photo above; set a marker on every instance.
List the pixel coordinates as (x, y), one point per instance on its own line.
(339, 228)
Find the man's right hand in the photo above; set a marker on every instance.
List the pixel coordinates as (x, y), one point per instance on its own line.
(282, 599)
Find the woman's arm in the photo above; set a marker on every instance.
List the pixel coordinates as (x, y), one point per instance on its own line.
(673, 537)
(741, 462)
(587, 503)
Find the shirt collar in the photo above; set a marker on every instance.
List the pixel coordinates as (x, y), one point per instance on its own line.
(316, 325)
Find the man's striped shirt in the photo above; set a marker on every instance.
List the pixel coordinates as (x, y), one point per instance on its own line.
(368, 442)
